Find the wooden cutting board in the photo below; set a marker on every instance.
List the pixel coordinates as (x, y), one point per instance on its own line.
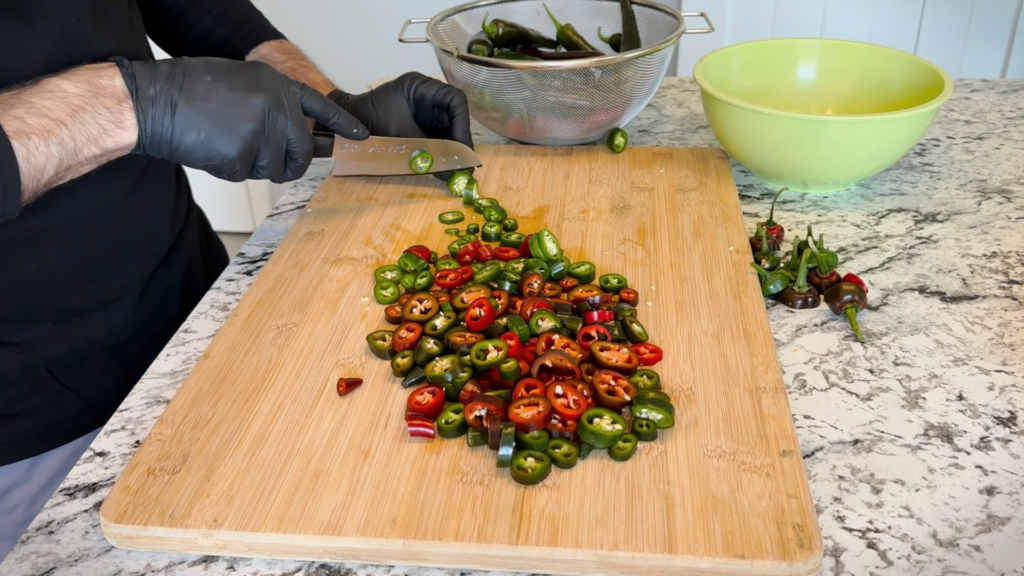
(257, 455)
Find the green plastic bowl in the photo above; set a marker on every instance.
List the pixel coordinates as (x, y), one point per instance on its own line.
(818, 115)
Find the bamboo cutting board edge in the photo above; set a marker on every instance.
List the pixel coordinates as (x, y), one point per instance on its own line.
(503, 177)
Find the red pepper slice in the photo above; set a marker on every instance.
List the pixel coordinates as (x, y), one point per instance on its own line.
(587, 391)
(531, 350)
(566, 399)
(614, 391)
(554, 365)
(468, 253)
(530, 413)
(480, 406)
(528, 387)
(524, 248)
(590, 334)
(488, 381)
(531, 305)
(422, 251)
(346, 385)
(554, 341)
(515, 347)
(583, 292)
(562, 428)
(393, 314)
(531, 284)
(649, 354)
(614, 356)
(472, 388)
(594, 316)
(480, 315)
(629, 296)
(485, 253)
(420, 426)
(504, 301)
(426, 401)
(854, 279)
(568, 283)
(404, 298)
(506, 254)
(406, 336)
(441, 295)
(450, 279)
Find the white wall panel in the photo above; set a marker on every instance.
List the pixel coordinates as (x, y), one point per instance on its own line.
(749, 20)
(943, 35)
(693, 47)
(988, 38)
(798, 18)
(895, 23)
(848, 20)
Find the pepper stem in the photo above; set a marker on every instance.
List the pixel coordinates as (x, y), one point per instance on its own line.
(851, 315)
(801, 278)
(821, 242)
(490, 29)
(762, 272)
(558, 26)
(602, 38)
(771, 215)
(762, 231)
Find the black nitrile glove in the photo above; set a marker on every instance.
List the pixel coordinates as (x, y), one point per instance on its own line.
(411, 106)
(235, 120)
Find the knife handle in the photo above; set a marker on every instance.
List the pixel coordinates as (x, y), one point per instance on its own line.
(323, 144)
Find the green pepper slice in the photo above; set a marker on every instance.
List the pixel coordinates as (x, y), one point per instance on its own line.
(519, 327)
(530, 467)
(461, 338)
(488, 354)
(423, 281)
(407, 282)
(544, 321)
(612, 283)
(480, 203)
(563, 453)
(495, 214)
(509, 370)
(471, 193)
(536, 440)
(426, 350)
(615, 329)
(516, 266)
(476, 266)
(618, 140)
(468, 237)
(507, 444)
(421, 161)
(487, 273)
(386, 292)
(509, 225)
(601, 427)
(583, 271)
(454, 247)
(558, 268)
(387, 273)
(512, 240)
(539, 266)
(443, 369)
(453, 217)
(452, 422)
(505, 395)
(458, 182)
(646, 380)
(571, 323)
(440, 323)
(545, 245)
(660, 412)
(645, 430)
(415, 377)
(412, 264)
(473, 229)
(625, 448)
(380, 344)
(634, 330)
(462, 298)
(623, 310)
(585, 449)
(447, 264)
(402, 364)
(490, 232)
(505, 285)
(453, 231)
(476, 437)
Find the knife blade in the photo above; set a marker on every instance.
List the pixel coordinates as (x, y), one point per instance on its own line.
(379, 156)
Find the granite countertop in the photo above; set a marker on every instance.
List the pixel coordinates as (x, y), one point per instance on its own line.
(913, 443)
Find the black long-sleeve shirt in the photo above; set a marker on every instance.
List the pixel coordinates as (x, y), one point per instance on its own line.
(96, 275)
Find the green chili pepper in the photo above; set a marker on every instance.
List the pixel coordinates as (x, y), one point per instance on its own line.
(453, 232)
(494, 331)
(545, 245)
(571, 323)
(772, 282)
(559, 267)
(645, 430)
(453, 217)
(506, 55)
(421, 161)
(630, 29)
(407, 281)
(585, 449)
(625, 448)
(544, 321)
(536, 440)
(454, 388)
(495, 214)
(480, 45)
(487, 273)
(452, 422)
(423, 281)
(471, 194)
(519, 327)
(473, 229)
(634, 330)
(615, 40)
(516, 266)
(505, 395)
(615, 329)
(480, 203)
(443, 369)
(415, 377)
(584, 271)
(658, 411)
(412, 264)
(601, 427)
(489, 353)
(613, 283)
(530, 467)
(402, 364)
(386, 293)
(490, 232)
(387, 273)
(618, 140)
(447, 264)
(506, 444)
(509, 370)
(453, 248)
(509, 225)
(645, 379)
(539, 266)
(468, 237)
(623, 310)
(564, 454)
(505, 34)
(476, 437)
(568, 36)
(513, 240)
(793, 264)
(458, 182)
(427, 349)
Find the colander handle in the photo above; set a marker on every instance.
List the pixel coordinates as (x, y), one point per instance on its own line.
(708, 30)
(409, 22)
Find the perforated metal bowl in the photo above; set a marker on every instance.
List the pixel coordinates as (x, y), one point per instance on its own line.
(558, 103)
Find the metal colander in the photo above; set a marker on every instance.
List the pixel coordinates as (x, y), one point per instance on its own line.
(558, 103)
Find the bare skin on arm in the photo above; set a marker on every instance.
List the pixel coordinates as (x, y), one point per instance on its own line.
(67, 125)
(287, 59)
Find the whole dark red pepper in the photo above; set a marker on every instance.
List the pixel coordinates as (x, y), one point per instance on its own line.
(764, 257)
(824, 275)
(773, 228)
(854, 279)
(801, 295)
(847, 299)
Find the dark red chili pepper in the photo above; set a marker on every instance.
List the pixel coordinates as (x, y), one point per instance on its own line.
(485, 253)
(582, 292)
(516, 306)
(567, 400)
(515, 347)
(531, 350)
(854, 279)
(420, 426)
(346, 385)
(649, 354)
(441, 295)
(393, 314)
(554, 341)
(824, 276)
(847, 299)
(801, 295)
(404, 298)
(774, 229)
(561, 428)
(506, 254)
(568, 283)
(531, 285)
(531, 305)
(480, 406)
(426, 401)
(503, 299)
(449, 279)
(595, 316)
(472, 388)
(480, 315)
(530, 413)
(554, 365)
(629, 296)
(528, 387)
(524, 248)
(614, 391)
(590, 334)
(406, 336)
(468, 253)
(487, 381)
(421, 251)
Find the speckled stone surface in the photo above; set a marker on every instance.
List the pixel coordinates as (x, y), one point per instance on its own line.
(913, 442)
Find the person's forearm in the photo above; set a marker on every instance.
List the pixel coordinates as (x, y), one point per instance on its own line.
(67, 125)
(287, 59)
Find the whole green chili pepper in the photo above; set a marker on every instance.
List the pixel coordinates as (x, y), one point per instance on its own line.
(630, 29)
(480, 45)
(509, 35)
(568, 36)
(615, 40)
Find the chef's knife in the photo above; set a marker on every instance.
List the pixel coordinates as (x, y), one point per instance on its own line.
(377, 156)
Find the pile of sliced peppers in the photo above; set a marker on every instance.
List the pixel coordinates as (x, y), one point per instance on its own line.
(808, 276)
(516, 347)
